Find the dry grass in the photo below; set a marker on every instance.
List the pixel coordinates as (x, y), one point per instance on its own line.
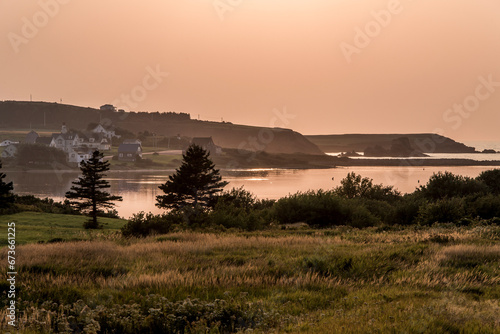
(343, 280)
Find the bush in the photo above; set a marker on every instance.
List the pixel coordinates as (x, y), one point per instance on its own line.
(491, 179)
(28, 154)
(355, 186)
(486, 207)
(442, 211)
(405, 211)
(108, 213)
(46, 205)
(238, 197)
(142, 224)
(322, 209)
(448, 185)
(239, 208)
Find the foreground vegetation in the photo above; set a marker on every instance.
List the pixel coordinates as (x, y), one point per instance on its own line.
(357, 202)
(439, 279)
(376, 261)
(40, 227)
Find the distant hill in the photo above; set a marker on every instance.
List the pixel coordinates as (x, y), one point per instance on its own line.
(425, 142)
(22, 114)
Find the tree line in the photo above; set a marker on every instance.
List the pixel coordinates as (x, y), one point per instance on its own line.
(193, 197)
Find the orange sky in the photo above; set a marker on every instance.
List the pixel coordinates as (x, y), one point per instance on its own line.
(337, 66)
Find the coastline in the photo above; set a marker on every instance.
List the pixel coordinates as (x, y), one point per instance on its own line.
(315, 163)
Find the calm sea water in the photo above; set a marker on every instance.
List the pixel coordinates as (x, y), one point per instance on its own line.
(139, 189)
(479, 145)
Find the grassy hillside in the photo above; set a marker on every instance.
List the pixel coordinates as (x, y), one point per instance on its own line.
(42, 227)
(24, 115)
(425, 142)
(435, 280)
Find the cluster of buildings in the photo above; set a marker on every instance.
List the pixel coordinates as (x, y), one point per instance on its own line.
(77, 146)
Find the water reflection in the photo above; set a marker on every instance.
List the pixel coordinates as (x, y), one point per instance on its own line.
(139, 189)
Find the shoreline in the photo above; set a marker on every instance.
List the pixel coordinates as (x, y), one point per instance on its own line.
(333, 163)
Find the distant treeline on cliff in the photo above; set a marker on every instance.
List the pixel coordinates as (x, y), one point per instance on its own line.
(19, 114)
(50, 116)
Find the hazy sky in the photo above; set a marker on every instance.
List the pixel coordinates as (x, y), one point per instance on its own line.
(336, 66)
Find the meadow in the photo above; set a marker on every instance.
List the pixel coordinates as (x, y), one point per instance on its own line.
(434, 279)
(33, 227)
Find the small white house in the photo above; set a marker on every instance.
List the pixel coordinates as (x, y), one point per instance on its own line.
(79, 155)
(106, 132)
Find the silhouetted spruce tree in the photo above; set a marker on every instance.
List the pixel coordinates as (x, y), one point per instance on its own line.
(193, 186)
(6, 197)
(87, 194)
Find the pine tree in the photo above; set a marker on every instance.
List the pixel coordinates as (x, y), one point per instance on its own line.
(6, 197)
(88, 194)
(194, 185)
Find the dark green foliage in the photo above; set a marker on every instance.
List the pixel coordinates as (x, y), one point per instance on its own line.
(47, 205)
(144, 224)
(88, 194)
(447, 185)
(485, 207)
(323, 209)
(6, 196)
(355, 186)
(405, 211)
(449, 210)
(491, 179)
(194, 185)
(240, 209)
(34, 154)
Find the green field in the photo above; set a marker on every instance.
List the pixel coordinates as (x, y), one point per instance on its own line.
(441, 279)
(32, 227)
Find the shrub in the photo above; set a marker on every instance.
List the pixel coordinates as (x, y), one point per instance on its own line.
(354, 186)
(46, 205)
(143, 224)
(491, 179)
(239, 208)
(238, 197)
(442, 211)
(405, 211)
(486, 207)
(322, 209)
(234, 217)
(448, 185)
